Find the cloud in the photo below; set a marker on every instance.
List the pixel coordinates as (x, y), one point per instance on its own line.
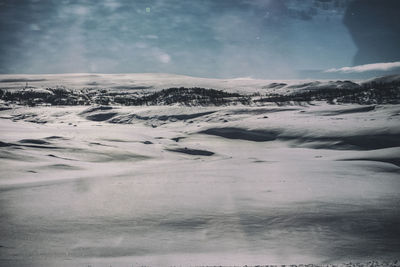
(34, 27)
(112, 4)
(162, 57)
(367, 67)
(150, 36)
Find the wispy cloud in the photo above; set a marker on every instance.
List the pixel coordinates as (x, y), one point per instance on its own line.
(367, 67)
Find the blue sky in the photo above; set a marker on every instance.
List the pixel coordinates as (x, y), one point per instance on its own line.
(206, 38)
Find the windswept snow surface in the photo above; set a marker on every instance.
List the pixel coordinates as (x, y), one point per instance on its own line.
(173, 185)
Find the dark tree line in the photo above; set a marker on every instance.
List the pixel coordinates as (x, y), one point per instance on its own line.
(53, 96)
(368, 93)
(186, 96)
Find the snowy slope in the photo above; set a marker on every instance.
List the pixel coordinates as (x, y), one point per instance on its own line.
(169, 185)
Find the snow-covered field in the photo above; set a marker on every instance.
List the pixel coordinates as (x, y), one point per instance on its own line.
(174, 185)
(155, 81)
(133, 81)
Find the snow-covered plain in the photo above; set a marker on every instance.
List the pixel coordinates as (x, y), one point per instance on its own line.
(151, 82)
(174, 185)
(127, 81)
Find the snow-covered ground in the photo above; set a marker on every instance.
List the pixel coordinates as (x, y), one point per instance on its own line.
(174, 185)
(140, 81)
